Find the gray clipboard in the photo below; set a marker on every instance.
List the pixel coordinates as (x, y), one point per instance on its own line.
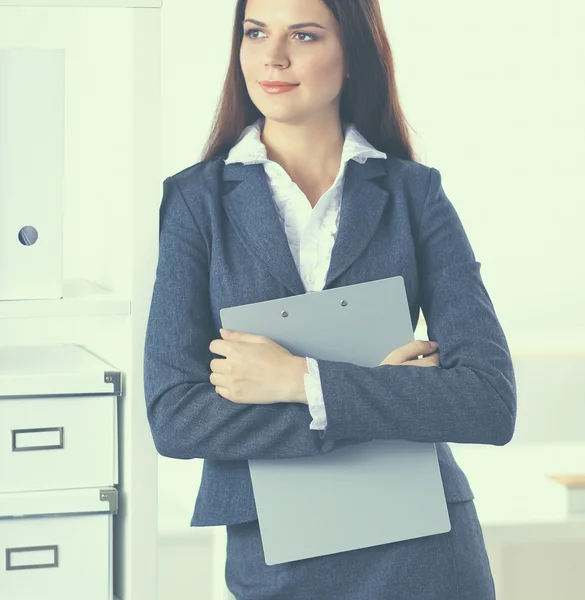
(359, 496)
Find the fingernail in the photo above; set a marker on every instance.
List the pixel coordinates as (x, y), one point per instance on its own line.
(434, 345)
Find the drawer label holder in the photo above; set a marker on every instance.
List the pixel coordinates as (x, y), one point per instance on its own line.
(23, 439)
(32, 557)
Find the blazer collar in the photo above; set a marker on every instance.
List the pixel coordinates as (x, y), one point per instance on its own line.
(250, 207)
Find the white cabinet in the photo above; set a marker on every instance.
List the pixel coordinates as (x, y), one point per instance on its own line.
(59, 466)
(85, 173)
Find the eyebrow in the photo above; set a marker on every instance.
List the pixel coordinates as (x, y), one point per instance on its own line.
(291, 27)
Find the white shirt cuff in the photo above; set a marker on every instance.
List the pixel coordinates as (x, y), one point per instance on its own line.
(314, 393)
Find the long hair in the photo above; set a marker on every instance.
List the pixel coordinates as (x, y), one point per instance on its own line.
(369, 98)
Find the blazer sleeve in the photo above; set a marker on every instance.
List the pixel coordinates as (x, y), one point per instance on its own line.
(472, 397)
(187, 418)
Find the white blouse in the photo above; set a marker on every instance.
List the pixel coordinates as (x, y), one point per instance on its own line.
(310, 231)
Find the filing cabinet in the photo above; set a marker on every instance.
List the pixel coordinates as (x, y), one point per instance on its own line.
(58, 472)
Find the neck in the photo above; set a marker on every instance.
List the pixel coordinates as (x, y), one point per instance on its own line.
(309, 150)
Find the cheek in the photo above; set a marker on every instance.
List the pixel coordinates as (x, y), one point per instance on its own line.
(248, 60)
(323, 82)
(243, 59)
(327, 69)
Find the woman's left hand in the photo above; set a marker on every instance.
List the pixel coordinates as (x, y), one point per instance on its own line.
(256, 370)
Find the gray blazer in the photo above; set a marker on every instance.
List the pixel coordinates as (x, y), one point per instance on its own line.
(222, 245)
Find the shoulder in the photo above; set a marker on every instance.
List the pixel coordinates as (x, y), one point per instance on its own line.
(412, 181)
(199, 175)
(200, 183)
(410, 173)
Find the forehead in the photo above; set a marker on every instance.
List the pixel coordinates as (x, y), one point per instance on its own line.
(287, 12)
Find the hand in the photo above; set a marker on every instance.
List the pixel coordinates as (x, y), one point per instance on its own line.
(415, 348)
(256, 370)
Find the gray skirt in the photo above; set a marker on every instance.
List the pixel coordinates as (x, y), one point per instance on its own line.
(446, 566)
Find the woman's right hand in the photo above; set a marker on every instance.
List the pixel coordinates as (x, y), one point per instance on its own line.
(402, 355)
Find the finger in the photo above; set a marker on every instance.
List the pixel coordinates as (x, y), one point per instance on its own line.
(222, 347)
(241, 336)
(433, 353)
(218, 347)
(422, 347)
(222, 392)
(218, 379)
(219, 365)
(432, 361)
(430, 358)
(421, 362)
(411, 350)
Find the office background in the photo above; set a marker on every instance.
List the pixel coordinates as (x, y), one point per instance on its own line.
(498, 87)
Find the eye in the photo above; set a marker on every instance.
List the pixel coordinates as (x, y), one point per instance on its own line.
(311, 35)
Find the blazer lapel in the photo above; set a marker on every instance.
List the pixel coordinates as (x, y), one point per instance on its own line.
(252, 212)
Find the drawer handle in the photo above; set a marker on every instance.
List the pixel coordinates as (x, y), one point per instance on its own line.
(45, 556)
(37, 439)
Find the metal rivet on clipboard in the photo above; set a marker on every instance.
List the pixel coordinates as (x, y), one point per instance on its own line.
(284, 313)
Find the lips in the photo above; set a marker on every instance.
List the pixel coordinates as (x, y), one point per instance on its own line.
(278, 89)
(277, 84)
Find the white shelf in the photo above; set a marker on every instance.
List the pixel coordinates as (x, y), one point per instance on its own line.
(81, 298)
(84, 3)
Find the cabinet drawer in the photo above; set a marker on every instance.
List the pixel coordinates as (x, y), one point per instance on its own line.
(58, 442)
(59, 556)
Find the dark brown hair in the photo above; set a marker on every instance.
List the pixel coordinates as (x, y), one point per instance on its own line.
(369, 98)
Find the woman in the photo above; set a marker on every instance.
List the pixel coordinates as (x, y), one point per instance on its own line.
(312, 188)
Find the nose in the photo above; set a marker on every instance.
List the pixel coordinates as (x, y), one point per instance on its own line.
(274, 59)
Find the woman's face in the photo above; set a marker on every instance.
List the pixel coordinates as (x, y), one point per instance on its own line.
(309, 56)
